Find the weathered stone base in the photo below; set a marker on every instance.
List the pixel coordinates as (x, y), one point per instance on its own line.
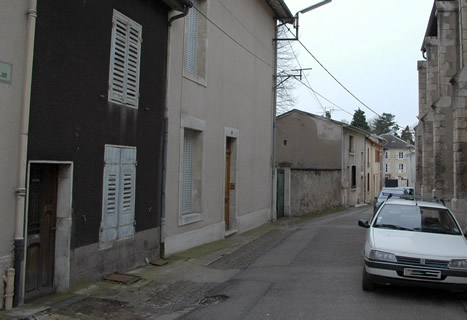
(90, 263)
(459, 207)
(5, 263)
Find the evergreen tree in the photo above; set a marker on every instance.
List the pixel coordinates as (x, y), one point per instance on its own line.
(407, 136)
(385, 124)
(359, 120)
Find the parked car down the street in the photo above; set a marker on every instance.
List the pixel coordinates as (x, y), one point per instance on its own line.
(409, 242)
(395, 192)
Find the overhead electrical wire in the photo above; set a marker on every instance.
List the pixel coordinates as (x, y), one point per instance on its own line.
(332, 76)
(304, 75)
(231, 38)
(317, 93)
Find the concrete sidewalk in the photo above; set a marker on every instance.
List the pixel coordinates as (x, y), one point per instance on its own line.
(163, 292)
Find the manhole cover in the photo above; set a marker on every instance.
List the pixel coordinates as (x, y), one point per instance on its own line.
(207, 301)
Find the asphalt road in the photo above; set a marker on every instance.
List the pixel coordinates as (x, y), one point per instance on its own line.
(314, 272)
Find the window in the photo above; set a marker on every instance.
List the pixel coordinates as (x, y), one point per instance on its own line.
(401, 168)
(377, 156)
(368, 157)
(400, 155)
(354, 176)
(195, 41)
(125, 60)
(351, 144)
(387, 155)
(191, 175)
(118, 208)
(387, 168)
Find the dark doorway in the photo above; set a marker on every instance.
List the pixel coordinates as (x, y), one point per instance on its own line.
(42, 210)
(280, 194)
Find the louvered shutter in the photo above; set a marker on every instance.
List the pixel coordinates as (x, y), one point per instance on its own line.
(187, 178)
(125, 60)
(191, 50)
(111, 194)
(127, 192)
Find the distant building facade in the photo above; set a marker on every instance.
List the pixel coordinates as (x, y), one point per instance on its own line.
(325, 163)
(399, 161)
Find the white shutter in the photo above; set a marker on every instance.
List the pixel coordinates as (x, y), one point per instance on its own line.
(127, 192)
(125, 60)
(187, 178)
(111, 194)
(191, 50)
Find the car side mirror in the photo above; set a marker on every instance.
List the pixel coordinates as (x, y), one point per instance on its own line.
(363, 223)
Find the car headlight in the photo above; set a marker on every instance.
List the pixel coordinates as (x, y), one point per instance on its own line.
(458, 264)
(382, 256)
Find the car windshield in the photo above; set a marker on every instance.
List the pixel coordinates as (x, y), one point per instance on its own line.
(415, 218)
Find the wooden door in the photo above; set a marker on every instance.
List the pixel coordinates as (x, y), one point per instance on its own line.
(228, 153)
(40, 242)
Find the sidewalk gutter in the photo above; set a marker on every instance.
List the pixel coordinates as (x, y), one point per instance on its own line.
(167, 291)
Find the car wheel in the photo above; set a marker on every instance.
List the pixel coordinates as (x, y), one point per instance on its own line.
(367, 284)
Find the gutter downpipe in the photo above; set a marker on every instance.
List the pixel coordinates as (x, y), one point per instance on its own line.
(23, 148)
(274, 125)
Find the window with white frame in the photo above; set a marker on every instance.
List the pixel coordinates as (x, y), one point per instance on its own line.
(400, 155)
(191, 188)
(195, 41)
(125, 56)
(401, 168)
(118, 205)
(387, 168)
(387, 155)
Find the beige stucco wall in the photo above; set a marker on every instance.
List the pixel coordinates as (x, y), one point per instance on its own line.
(12, 40)
(307, 142)
(353, 195)
(236, 100)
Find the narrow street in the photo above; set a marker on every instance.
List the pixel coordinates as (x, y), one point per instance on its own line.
(315, 273)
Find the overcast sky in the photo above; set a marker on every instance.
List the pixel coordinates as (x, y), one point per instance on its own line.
(371, 47)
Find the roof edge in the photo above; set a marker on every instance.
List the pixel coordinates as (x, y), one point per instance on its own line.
(281, 11)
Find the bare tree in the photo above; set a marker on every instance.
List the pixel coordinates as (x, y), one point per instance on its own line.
(285, 84)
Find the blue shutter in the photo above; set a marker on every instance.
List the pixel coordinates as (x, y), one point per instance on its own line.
(111, 194)
(127, 192)
(118, 207)
(125, 60)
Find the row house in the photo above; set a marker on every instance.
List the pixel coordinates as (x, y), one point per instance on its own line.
(130, 129)
(441, 139)
(398, 162)
(324, 163)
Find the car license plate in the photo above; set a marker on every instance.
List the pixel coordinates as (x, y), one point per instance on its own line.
(422, 273)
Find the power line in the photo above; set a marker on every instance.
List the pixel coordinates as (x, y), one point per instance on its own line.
(315, 92)
(296, 58)
(231, 38)
(340, 83)
(335, 79)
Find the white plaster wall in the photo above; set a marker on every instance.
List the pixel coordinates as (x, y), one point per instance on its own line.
(237, 94)
(12, 41)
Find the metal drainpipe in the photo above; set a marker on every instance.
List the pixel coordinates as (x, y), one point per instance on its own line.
(24, 127)
(185, 12)
(274, 110)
